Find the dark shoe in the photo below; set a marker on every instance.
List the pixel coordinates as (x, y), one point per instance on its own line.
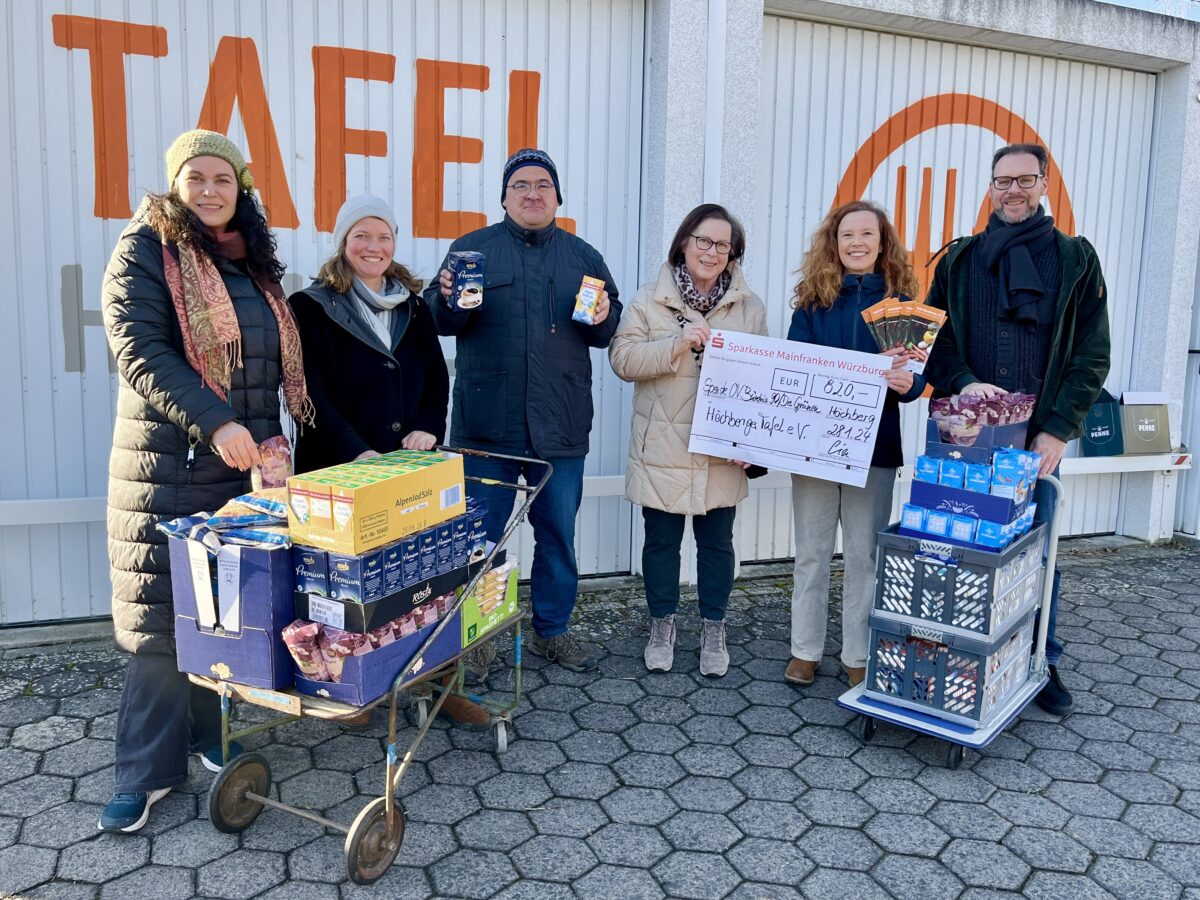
(360, 722)
(462, 711)
(211, 758)
(801, 671)
(127, 813)
(855, 674)
(565, 650)
(1054, 698)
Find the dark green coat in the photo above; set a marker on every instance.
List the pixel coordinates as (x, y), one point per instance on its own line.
(162, 411)
(1079, 346)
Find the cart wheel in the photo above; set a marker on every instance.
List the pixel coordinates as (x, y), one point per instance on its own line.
(229, 809)
(866, 728)
(501, 738)
(954, 756)
(370, 850)
(422, 711)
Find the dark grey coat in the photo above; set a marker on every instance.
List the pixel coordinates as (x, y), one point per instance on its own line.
(162, 465)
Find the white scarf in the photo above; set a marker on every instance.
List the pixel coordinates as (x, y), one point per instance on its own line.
(378, 309)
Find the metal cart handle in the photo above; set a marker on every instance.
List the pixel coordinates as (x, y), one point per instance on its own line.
(1051, 556)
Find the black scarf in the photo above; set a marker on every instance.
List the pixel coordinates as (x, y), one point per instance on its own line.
(1009, 251)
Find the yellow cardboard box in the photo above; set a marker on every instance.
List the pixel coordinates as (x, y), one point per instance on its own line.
(349, 510)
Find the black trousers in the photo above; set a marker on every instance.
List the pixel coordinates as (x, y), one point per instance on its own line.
(162, 718)
(714, 560)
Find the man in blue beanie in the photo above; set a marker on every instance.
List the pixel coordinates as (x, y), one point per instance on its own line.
(523, 381)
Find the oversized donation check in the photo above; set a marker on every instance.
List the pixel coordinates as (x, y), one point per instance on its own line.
(785, 405)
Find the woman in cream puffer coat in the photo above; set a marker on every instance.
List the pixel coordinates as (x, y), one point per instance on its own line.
(659, 346)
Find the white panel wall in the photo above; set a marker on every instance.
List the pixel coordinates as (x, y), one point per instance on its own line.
(826, 90)
(57, 423)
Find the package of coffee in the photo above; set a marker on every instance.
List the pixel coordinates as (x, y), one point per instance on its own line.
(466, 268)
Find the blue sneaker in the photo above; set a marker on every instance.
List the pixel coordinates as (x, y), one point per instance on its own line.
(211, 758)
(127, 813)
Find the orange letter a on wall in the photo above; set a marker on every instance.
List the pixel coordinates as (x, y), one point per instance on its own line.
(235, 75)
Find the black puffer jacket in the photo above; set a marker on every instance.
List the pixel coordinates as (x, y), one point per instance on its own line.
(523, 371)
(162, 411)
(366, 399)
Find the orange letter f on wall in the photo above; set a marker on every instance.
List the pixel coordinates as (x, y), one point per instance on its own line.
(331, 67)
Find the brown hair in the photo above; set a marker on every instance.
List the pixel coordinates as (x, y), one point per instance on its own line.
(821, 272)
(737, 236)
(1037, 151)
(339, 274)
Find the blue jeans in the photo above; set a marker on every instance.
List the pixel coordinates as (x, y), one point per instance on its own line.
(1043, 496)
(555, 576)
(714, 560)
(162, 718)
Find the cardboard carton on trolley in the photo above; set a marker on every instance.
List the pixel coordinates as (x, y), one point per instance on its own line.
(359, 506)
(228, 626)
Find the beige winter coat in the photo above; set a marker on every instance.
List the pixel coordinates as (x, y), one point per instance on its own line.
(662, 474)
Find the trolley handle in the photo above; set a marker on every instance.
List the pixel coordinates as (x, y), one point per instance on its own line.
(1050, 559)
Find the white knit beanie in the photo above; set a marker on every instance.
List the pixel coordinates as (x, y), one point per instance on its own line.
(357, 208)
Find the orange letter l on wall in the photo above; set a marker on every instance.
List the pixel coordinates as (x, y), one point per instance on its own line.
(108, 42)
(331, 67)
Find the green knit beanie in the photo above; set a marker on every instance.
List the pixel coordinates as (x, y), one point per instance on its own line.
(191, 144)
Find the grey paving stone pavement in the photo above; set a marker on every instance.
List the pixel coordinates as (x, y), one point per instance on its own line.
(624, 784)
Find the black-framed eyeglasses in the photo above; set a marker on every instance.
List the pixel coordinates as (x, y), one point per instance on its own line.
(524, 187)
(1004, 182)
(706, 243)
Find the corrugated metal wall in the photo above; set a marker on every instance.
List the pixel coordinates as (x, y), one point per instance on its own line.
(830, 101)
(59, 399)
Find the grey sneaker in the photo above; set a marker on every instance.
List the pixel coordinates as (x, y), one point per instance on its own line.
(714, 658)
(478, 661)
(660, 649)
(565, 650)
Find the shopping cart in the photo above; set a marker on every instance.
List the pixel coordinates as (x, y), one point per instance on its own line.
(241, 789)
(958, 731)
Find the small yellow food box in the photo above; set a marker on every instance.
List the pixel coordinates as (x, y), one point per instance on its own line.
(358, 506)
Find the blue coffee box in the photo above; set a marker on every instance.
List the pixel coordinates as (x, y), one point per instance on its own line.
(953, 473)
(912, 517)
(1008, 475)
(979, 478)
(992, 535)
(476, 532)
(429, 559)
(393, 568)
(937, 522)
(357, 579)
(445, 547)
(461, 532)
(410, 559)
(927, 468)
(312, 570)
(962, 528)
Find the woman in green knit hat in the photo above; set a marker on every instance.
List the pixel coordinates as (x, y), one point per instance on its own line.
(203, 340)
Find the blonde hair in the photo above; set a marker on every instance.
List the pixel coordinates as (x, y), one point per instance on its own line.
(339, 274)
(821, 272)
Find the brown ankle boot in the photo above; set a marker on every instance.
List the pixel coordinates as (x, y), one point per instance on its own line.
(854, 673)
(463, 712)
(801, 671)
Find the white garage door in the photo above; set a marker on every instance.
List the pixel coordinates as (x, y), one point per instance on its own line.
(419, 102)
(911, 124)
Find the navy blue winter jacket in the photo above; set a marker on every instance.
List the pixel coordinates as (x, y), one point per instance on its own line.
(523, 370)
(842, 325)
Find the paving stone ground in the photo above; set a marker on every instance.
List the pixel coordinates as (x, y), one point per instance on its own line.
(620, 783)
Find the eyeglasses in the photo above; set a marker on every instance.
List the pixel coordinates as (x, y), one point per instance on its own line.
(705, 243)
(1004, 182)
(524, 187)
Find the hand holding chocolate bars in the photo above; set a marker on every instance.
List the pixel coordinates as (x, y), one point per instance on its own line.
(905, 325)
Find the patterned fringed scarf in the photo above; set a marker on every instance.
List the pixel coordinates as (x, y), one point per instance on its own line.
(701, 303)
(212, 339)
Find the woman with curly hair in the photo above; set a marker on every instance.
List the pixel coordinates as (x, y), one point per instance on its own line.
(854, 262)
(203, 340)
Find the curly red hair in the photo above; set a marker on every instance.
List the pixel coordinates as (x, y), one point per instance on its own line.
(821, 272)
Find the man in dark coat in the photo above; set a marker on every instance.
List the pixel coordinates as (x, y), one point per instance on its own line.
(523, 382)
(1027, 312)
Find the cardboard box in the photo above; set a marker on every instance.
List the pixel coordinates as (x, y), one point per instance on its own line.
(312, 570)
(476, 622)
(358, 507)
(1102, 433)
(1144, 422)
(358, 579)
(956, 501)
(232, 633)
(991, 438)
